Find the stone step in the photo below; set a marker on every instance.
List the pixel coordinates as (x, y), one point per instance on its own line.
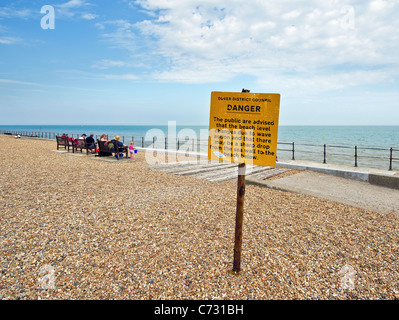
(216, 171)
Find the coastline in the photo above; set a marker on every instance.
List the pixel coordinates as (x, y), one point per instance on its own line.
(363, 146)
(124, 231)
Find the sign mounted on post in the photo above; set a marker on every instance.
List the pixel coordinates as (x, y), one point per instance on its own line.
(243, 127)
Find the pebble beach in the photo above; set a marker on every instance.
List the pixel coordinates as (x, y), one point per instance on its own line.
(75, 227)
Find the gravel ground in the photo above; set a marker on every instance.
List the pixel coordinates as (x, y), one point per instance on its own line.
(73, 227)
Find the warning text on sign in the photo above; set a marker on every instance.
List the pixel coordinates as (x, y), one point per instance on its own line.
(243, 127)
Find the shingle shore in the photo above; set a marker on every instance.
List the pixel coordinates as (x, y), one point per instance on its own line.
(76, 228)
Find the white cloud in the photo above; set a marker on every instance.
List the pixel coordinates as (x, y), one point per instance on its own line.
(9, 40)
(25, 83)
(106, 64)
(73, 4)
(98, 76)
(11, 12)
(382, 6)
(75, 8)
(89, 16)
(120, 77)
(325, 44)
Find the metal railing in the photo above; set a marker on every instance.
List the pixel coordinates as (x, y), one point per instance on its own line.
(352, 155)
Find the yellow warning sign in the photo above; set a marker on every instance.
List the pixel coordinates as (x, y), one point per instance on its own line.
(243, 127)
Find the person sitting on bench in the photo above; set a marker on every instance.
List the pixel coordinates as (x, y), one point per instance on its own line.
(117, 143)
(91, 143)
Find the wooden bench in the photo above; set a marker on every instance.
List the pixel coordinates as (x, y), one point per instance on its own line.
(106, 149)
(103, 149)
(118, 152)
(114, 149)
(64, 142)
(80, 144)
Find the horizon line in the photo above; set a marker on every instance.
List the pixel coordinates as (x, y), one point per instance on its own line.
(204, 125)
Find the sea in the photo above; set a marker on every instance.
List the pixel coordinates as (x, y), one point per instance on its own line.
(362, 146)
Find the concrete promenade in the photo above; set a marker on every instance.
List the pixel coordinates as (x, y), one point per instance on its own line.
(368, 188)
(348, 191)
(374, 176)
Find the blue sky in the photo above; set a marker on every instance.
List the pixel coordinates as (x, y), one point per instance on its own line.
(334, 62)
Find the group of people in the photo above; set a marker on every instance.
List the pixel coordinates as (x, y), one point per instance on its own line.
(113, 143)
(117, 143)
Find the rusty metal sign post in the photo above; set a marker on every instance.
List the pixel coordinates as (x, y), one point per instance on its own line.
(239, 217)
